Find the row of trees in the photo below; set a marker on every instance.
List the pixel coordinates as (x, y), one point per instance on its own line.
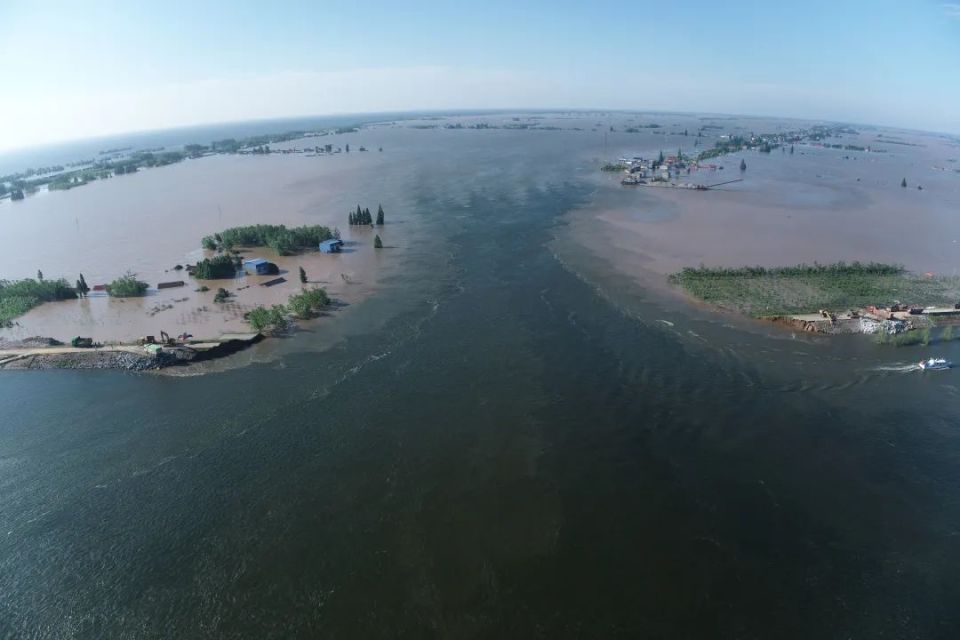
(276, 236)
(836, 268)
(363, 216)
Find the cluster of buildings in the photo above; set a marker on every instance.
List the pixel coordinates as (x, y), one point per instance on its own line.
(662, 169)
(263, 267)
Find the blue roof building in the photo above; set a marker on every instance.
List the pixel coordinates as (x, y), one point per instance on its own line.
(331, 246)
(256, 266)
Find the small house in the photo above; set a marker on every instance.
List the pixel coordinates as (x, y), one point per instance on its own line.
(256, 266)
(331, 246)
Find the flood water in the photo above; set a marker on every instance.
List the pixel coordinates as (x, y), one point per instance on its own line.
(512, 436)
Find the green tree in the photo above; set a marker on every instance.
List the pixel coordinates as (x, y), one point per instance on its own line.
(903, 183)
(303, 276)
(380, 215)
(259, 318)
(39, 275)
(82, 286)
(377, 242)
(127, 286)
(215, 268)
(308, 303)
(275, 318)
(278, 317)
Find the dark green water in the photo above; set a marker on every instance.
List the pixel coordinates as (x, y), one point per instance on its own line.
(496, 446)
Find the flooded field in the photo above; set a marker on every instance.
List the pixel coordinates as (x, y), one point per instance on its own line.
(152, 221)
(817, 204)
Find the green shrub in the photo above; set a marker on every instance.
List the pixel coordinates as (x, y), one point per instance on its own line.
(127, 286)
(216, 268)
(261, 318)
(308, 303)
(905, 339)
(222, 295)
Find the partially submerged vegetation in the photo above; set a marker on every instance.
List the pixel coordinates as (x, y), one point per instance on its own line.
(285, 241)
(219, 267)
(308, 303)
(127, 286)
(363, 217)
(19, 296)
(305, 304)
(760, 291)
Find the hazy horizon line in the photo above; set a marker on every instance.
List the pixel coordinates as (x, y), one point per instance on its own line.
(452, 112)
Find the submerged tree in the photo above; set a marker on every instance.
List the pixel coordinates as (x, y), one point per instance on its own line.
(82, 286)
(377, 242)
(903, 183)
(743, 165)
(303, 276)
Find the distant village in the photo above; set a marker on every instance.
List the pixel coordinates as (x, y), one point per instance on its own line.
(667, 171)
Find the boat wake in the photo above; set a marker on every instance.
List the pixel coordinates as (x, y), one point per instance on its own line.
(899, 368)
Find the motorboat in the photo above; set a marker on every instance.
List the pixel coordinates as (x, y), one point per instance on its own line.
(935, 363)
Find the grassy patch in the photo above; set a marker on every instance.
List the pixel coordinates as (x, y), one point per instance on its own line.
(759, 291)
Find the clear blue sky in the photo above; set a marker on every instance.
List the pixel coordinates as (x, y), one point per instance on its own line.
(78, 69)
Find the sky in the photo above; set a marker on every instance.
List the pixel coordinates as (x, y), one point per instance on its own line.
(75, 70)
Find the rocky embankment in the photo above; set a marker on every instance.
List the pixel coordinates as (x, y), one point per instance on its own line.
(849, 325)
(93, 359)
(47, 353)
